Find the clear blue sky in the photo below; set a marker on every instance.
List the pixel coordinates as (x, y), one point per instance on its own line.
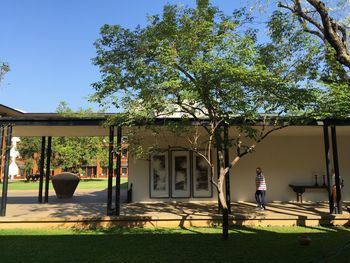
(49, 46)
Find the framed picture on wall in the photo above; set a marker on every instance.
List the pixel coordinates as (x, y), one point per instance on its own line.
(181, 177)
(202, 186)
(159, 175)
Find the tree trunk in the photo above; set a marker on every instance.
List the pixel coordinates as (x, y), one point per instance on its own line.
(224, 211)
(220, 186)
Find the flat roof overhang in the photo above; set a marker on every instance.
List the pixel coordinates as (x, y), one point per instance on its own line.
(56, 126)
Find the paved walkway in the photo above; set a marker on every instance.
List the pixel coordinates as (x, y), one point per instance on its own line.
(24, 204)
(91, 205)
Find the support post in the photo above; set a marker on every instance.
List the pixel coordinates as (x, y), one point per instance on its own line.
(328, 167)
(336, 170)
(218, 174)
(218, 140)
(1, 147)
(48, 165)
(225, 224)
(227, 177)
(117, 187)
(42, 165)
(110, 170)
(6, 171)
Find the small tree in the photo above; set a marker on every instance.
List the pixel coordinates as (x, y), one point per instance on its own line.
(209, 68)
(28, 166)
(4, 68)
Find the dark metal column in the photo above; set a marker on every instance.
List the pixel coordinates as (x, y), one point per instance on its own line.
(227, 163)
(1, 146)
(328, 167)
(218, 174)
(42, 165)
(48, 166)
(336, 170)
(218, 140)
(110, 170)
(117, 187)
(6, 171)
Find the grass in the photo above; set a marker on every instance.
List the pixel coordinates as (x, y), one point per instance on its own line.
(83, 184)
(269, 244)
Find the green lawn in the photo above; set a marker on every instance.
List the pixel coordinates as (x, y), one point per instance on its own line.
(175, 245)
(83, 184)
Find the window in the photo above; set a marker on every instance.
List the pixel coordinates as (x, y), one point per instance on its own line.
(124, 171)
(125, 152)
(91, 171)
(104, 171)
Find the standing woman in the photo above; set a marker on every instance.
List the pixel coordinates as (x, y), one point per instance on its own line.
(260, 189)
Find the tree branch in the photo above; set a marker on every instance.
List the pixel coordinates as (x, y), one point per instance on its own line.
(297, 9)
(182, 70)
(329, 29)
(261, 138)
(270, 131)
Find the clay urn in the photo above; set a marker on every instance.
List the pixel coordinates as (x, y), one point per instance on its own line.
(65, 184)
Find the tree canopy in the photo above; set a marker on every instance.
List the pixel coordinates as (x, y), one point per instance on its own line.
(199, 61)
(201, 64)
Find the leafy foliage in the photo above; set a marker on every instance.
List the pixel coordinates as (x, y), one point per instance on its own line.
(199, 64)
(202, 64)
(328, 22)
(325, 70)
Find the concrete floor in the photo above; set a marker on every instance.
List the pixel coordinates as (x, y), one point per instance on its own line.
(24, 204)
(90, 206)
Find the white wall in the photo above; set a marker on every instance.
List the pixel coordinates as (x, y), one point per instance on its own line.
(291, 156)
(139, 177)
(343, 142)
(284, 160)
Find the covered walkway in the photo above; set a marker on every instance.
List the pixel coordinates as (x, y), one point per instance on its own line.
(47, 125)
(87, 209)
(91, 207)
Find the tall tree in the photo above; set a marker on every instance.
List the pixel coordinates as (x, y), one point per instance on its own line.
(208, 67)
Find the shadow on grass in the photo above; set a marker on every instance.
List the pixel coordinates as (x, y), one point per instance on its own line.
(176, 245)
